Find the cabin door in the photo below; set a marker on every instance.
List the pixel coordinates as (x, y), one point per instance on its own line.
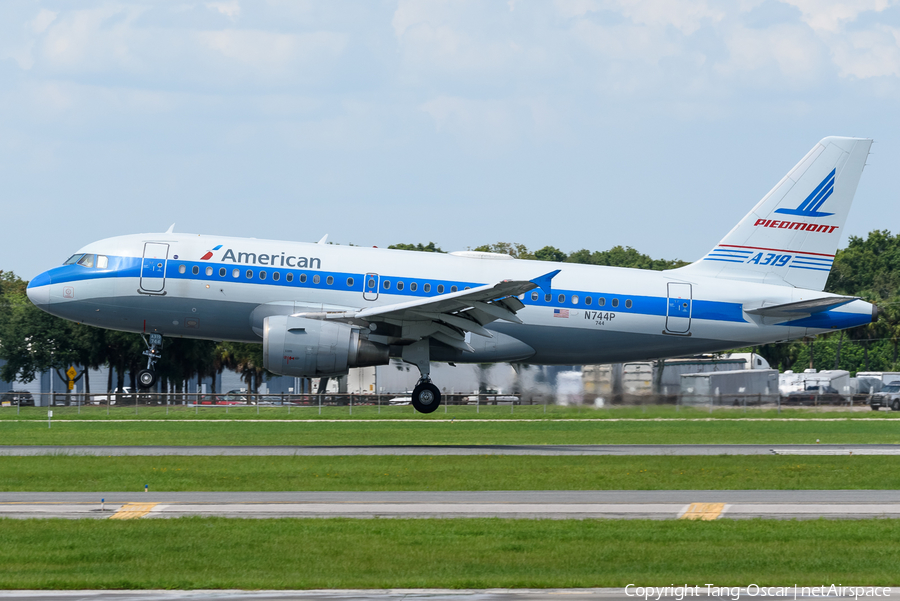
(153, 267)
(678, 309)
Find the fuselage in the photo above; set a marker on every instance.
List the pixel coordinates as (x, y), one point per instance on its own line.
(217, 288)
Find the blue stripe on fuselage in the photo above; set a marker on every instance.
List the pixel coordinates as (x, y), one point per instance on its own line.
(640, 305)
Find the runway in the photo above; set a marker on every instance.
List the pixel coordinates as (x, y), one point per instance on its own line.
(435, 450)
(660, 505)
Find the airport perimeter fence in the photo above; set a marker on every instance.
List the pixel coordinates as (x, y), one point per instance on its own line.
(343, 404)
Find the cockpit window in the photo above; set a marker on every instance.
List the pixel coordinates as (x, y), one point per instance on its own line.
(73, 259)
(87, 261)
(102, 262)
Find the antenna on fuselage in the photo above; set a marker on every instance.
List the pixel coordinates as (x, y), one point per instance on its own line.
(171, 229)
(323, 240)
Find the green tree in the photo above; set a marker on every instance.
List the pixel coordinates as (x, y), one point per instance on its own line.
(428, 248)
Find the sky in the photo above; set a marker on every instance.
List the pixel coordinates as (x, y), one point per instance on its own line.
(656, 124)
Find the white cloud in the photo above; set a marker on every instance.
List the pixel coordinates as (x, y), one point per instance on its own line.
(43, 20)
(232, 9)
(832, 15)
(872, 53)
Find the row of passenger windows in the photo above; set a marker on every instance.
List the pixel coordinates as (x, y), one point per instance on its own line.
(413, 286)
(601, 301)
(386, 284)
(276, 275)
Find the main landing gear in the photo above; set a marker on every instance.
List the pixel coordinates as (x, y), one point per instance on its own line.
(147, 377)
(426, 397)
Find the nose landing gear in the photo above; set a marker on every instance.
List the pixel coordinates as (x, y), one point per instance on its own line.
(147, 377)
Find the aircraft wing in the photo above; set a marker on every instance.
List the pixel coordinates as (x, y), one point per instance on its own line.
(447, 317)
(800, 308)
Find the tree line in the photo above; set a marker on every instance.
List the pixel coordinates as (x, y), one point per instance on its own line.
(32, 341)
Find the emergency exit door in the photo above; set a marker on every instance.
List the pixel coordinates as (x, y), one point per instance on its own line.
(370, 287)
(678, 308)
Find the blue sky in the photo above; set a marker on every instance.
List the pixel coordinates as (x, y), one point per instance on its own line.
(650, 123)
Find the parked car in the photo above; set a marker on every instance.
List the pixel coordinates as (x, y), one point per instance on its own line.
(813, 395)
(888, 397)
(17, 397)
(96, 399)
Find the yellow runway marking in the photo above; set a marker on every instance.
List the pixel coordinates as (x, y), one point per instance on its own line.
(703, 511)
(130, 511)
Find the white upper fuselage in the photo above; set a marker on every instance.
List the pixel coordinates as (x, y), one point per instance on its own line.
(209, 287)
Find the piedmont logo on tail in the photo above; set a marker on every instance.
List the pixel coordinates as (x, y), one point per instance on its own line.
(763, 282)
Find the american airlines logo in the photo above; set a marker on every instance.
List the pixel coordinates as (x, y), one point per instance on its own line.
(273, 260)
(810, 206)
(209, 253)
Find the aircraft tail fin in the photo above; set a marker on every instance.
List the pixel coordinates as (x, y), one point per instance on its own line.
(790, 237)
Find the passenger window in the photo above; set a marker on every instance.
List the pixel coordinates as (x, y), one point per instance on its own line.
(534, 296)
(249, 274)
(386, 284)
(587, 300)
(615, 302)
(467, 288)
(574, 299)
(561, 298)
(453, 288)
(182, 268)
(209, 271)
(73, 259)
(371, 283)
(399, 285)
(628, 304)
(302, 278)
(222, 272)
(87, 261)
(195, 270)
(440, 288)
(289, 277)
(102, 261)
(276, 276)
(548, 298)
(262, 275)
(329, 280)
(316, 279)
(427, 287)
(413, 287)
(601, 301)
(349, 282)
(235, 273)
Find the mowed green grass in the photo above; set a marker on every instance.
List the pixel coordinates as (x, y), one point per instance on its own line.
(492, 472)
(460, 432)
(459, 412)
(219, 553)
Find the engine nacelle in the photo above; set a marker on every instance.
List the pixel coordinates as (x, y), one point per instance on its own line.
(311, 348)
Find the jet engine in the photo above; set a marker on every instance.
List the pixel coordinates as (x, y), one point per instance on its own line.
(312, 348)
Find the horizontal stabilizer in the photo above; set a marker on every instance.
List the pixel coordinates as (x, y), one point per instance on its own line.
(807, 307)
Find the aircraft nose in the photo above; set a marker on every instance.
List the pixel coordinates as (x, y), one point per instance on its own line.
(38, 290)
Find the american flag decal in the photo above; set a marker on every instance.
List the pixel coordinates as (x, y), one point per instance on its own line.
(561, 313)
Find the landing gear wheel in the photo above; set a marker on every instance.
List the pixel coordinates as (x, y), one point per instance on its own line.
(426, 397)
(146, 378)
(895, 406)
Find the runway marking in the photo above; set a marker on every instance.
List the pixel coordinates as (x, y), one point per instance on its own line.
(130, 511)
(853, 451)
(703, 511)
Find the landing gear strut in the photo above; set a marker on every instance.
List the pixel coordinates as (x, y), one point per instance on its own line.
(426, 397)
(147, 377)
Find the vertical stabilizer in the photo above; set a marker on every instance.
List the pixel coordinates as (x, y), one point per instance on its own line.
(790, 237)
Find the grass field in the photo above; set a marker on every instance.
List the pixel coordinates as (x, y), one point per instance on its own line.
(216, 553)
(464, 432)
(494, 472)
(459, 412)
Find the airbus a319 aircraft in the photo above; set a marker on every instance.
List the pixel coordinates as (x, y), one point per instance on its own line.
(321, 309)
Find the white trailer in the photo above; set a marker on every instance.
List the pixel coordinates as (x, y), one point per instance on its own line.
(737, 387)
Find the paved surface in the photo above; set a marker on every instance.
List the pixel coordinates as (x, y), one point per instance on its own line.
(623, 449)
(598, 594)
(432, 504)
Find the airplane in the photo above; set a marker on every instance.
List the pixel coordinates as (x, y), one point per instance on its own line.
(321, 309)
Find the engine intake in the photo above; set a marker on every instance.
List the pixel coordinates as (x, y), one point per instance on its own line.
(311, 348)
